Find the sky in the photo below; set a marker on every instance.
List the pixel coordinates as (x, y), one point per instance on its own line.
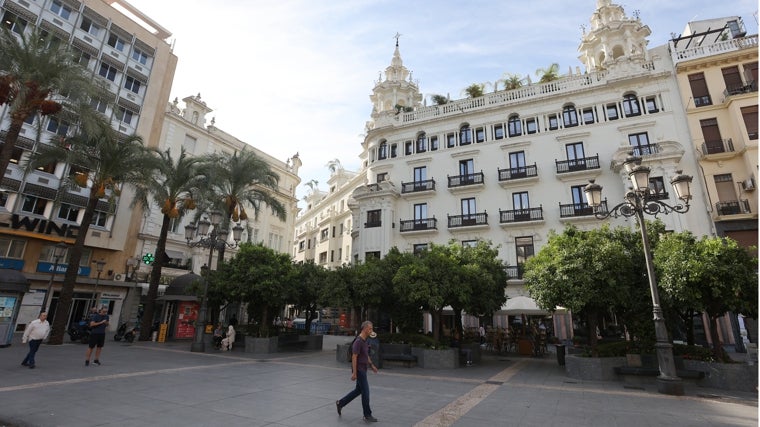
(294, 76)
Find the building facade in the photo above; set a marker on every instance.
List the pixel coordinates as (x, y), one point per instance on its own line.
(138, 66)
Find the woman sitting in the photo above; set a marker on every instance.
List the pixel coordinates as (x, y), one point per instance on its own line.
(229, 339)
(218, 336)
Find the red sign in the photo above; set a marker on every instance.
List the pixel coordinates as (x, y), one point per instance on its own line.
(187, 314)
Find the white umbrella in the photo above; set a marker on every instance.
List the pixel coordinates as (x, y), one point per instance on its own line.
(521, 305)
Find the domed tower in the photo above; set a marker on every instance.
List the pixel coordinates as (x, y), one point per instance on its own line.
(397, 90)
(614, 38)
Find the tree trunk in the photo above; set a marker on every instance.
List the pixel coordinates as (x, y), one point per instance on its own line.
(6, 150)
(592, 320)
(146, 323)
(436, 324)
(70, 278)
(716, 344)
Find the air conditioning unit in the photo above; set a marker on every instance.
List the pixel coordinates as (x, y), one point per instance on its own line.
(119, 277)
(748, 184)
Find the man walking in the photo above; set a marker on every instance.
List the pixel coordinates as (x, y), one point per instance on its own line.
(36, 331)
(359, 362)
(98, 324)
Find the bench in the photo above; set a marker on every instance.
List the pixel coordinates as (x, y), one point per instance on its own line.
(288, 341)
(399, 353)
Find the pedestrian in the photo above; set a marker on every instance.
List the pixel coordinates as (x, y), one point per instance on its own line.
(218, 336)
(36, 331)
(482, 332)
(98, 325)
(229, 339)
(360, 360)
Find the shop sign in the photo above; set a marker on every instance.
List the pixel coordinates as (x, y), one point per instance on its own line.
(41, 226)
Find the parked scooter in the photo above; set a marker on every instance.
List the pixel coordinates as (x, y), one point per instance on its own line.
(126, 333)
(80, 331)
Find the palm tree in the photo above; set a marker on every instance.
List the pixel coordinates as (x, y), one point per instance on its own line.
(106, 161)
(36, 70)
(512, 81)
(439, 99)
(549, 74)
(474, 90)
(171, 185)
(238, 180)
(334, 166)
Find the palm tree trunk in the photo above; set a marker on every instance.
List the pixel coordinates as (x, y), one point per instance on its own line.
(146, 322)
(70, 278)
(6, 151)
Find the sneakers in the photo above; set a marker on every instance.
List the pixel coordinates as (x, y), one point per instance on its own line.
(86, 363)
(24, 364)
(370, 419)
(31, 366)
(337, 406)
(96, 361)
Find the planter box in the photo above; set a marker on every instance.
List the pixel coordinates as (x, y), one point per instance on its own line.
(313, 342)
(725, 376)
(341, 353)
(261, 345)
(592, 368)
(436, 359)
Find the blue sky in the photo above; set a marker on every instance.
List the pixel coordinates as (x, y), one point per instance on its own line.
(291, 76)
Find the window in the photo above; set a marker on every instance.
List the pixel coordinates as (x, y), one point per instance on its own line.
(640, 144)
(465, 135)
(498, 131)
(524, 249)
(451, 140)
(433, 143)
(99, 219)
(301, 246)
(418, 248)
(57, 127)
(657, 187)
(631, 105)
(732, 78)
(30, 119)
(34, 205)
(48, 168)
(468, 207)
(189, 144)
(3, 199)
(99, 105)
(324, 234)
(340, 253)
(107, 71)
(340, 228)
(531, 125)
(421, 143)
(68, 212)
(612, 112)
(14, 23)
(332, 256)
(735, 28)
(90, 27)
(115, 42)
(469, 243)
(711, 133)
(420, 211)
(699, 90)
(574, 152)
(373, 219)
(750, 74)
(60, 9)
(16, 155)
(394, 150)
(466, 167)
(420, 174)
(569, 116)
(323, 257)
(651, 103)
(515, 126)
(588, 116)
(174, 225)
(333, 231)
(124, 115)
(749, 114)
(520, 200)
(139, 56)
(10, 248)
(517, 161)
(131, 83)
(579, 198)
(408, 148)
(480, 135)
(382, 177)
(382, 151)
(553, 122)
(372, 255)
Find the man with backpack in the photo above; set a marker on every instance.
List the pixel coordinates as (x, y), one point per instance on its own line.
(360, 360)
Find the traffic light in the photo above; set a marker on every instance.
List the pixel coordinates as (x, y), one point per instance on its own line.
(148, 258)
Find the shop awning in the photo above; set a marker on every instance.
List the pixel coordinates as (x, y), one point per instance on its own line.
(521, 305)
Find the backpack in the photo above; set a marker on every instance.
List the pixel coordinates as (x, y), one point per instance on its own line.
(350, 352)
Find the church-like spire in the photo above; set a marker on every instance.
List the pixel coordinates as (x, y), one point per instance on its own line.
(397, 91)
(613, 37)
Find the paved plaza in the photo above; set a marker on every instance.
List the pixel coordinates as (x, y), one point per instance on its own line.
(164, 384)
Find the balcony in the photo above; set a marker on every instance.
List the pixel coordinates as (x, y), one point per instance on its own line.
(520, 173)
(577, 165)
(644, 150)
(479, 220)
(418, 225)
(520, 215)
(466, 182)
(417, 188)
(741, 89)
(579, 210)
(733, 207)
(514, 272)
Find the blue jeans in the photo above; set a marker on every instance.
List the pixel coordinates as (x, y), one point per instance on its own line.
(362, 387)
(34, 345)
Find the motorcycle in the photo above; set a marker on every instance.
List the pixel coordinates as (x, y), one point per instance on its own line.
(80, 332)
(125, 333)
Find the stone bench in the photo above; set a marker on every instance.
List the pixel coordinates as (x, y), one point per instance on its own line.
(648, 371)
(397, 352)
(290, 341)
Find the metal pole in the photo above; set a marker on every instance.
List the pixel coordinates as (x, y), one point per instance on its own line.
(50, 284)
(668, 381)
(199, 346)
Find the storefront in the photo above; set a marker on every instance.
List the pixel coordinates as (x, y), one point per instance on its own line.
(180, 307)
(13, 287)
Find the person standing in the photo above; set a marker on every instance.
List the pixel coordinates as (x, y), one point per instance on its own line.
(36, 331)
(98, 324)
(360, 360)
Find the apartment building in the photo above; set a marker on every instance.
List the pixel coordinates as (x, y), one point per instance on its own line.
(115, 45)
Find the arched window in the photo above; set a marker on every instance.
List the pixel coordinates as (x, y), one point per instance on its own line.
(514, 126)
(382, 151)
(421, 142)
(569, 116)
(631, 105)
(465, 135)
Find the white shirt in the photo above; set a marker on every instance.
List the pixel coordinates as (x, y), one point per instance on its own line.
(36, 330)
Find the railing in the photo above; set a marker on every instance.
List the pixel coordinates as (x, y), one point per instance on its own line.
(645, 150)
(657, 195)
(587, 163)
(468, 220)
(521, 215)
(718, 146)
(418, 225)
(417, 186)
(749, 42)
(373, 187)
(372, 224)
(733, 207)
(514, 271)
(740, 89)
(518, 173)
(468, 179)
(579, 209)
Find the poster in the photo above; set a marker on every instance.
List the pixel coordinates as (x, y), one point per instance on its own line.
(187, 314)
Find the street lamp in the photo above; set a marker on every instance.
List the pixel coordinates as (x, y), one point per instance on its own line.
(637, 203)
(58, 251)
(99, 265)
(215, 238)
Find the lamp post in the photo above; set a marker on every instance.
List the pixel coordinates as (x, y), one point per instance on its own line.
(637, 203)
(210, 236)
(58, 251)
(99, 265)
